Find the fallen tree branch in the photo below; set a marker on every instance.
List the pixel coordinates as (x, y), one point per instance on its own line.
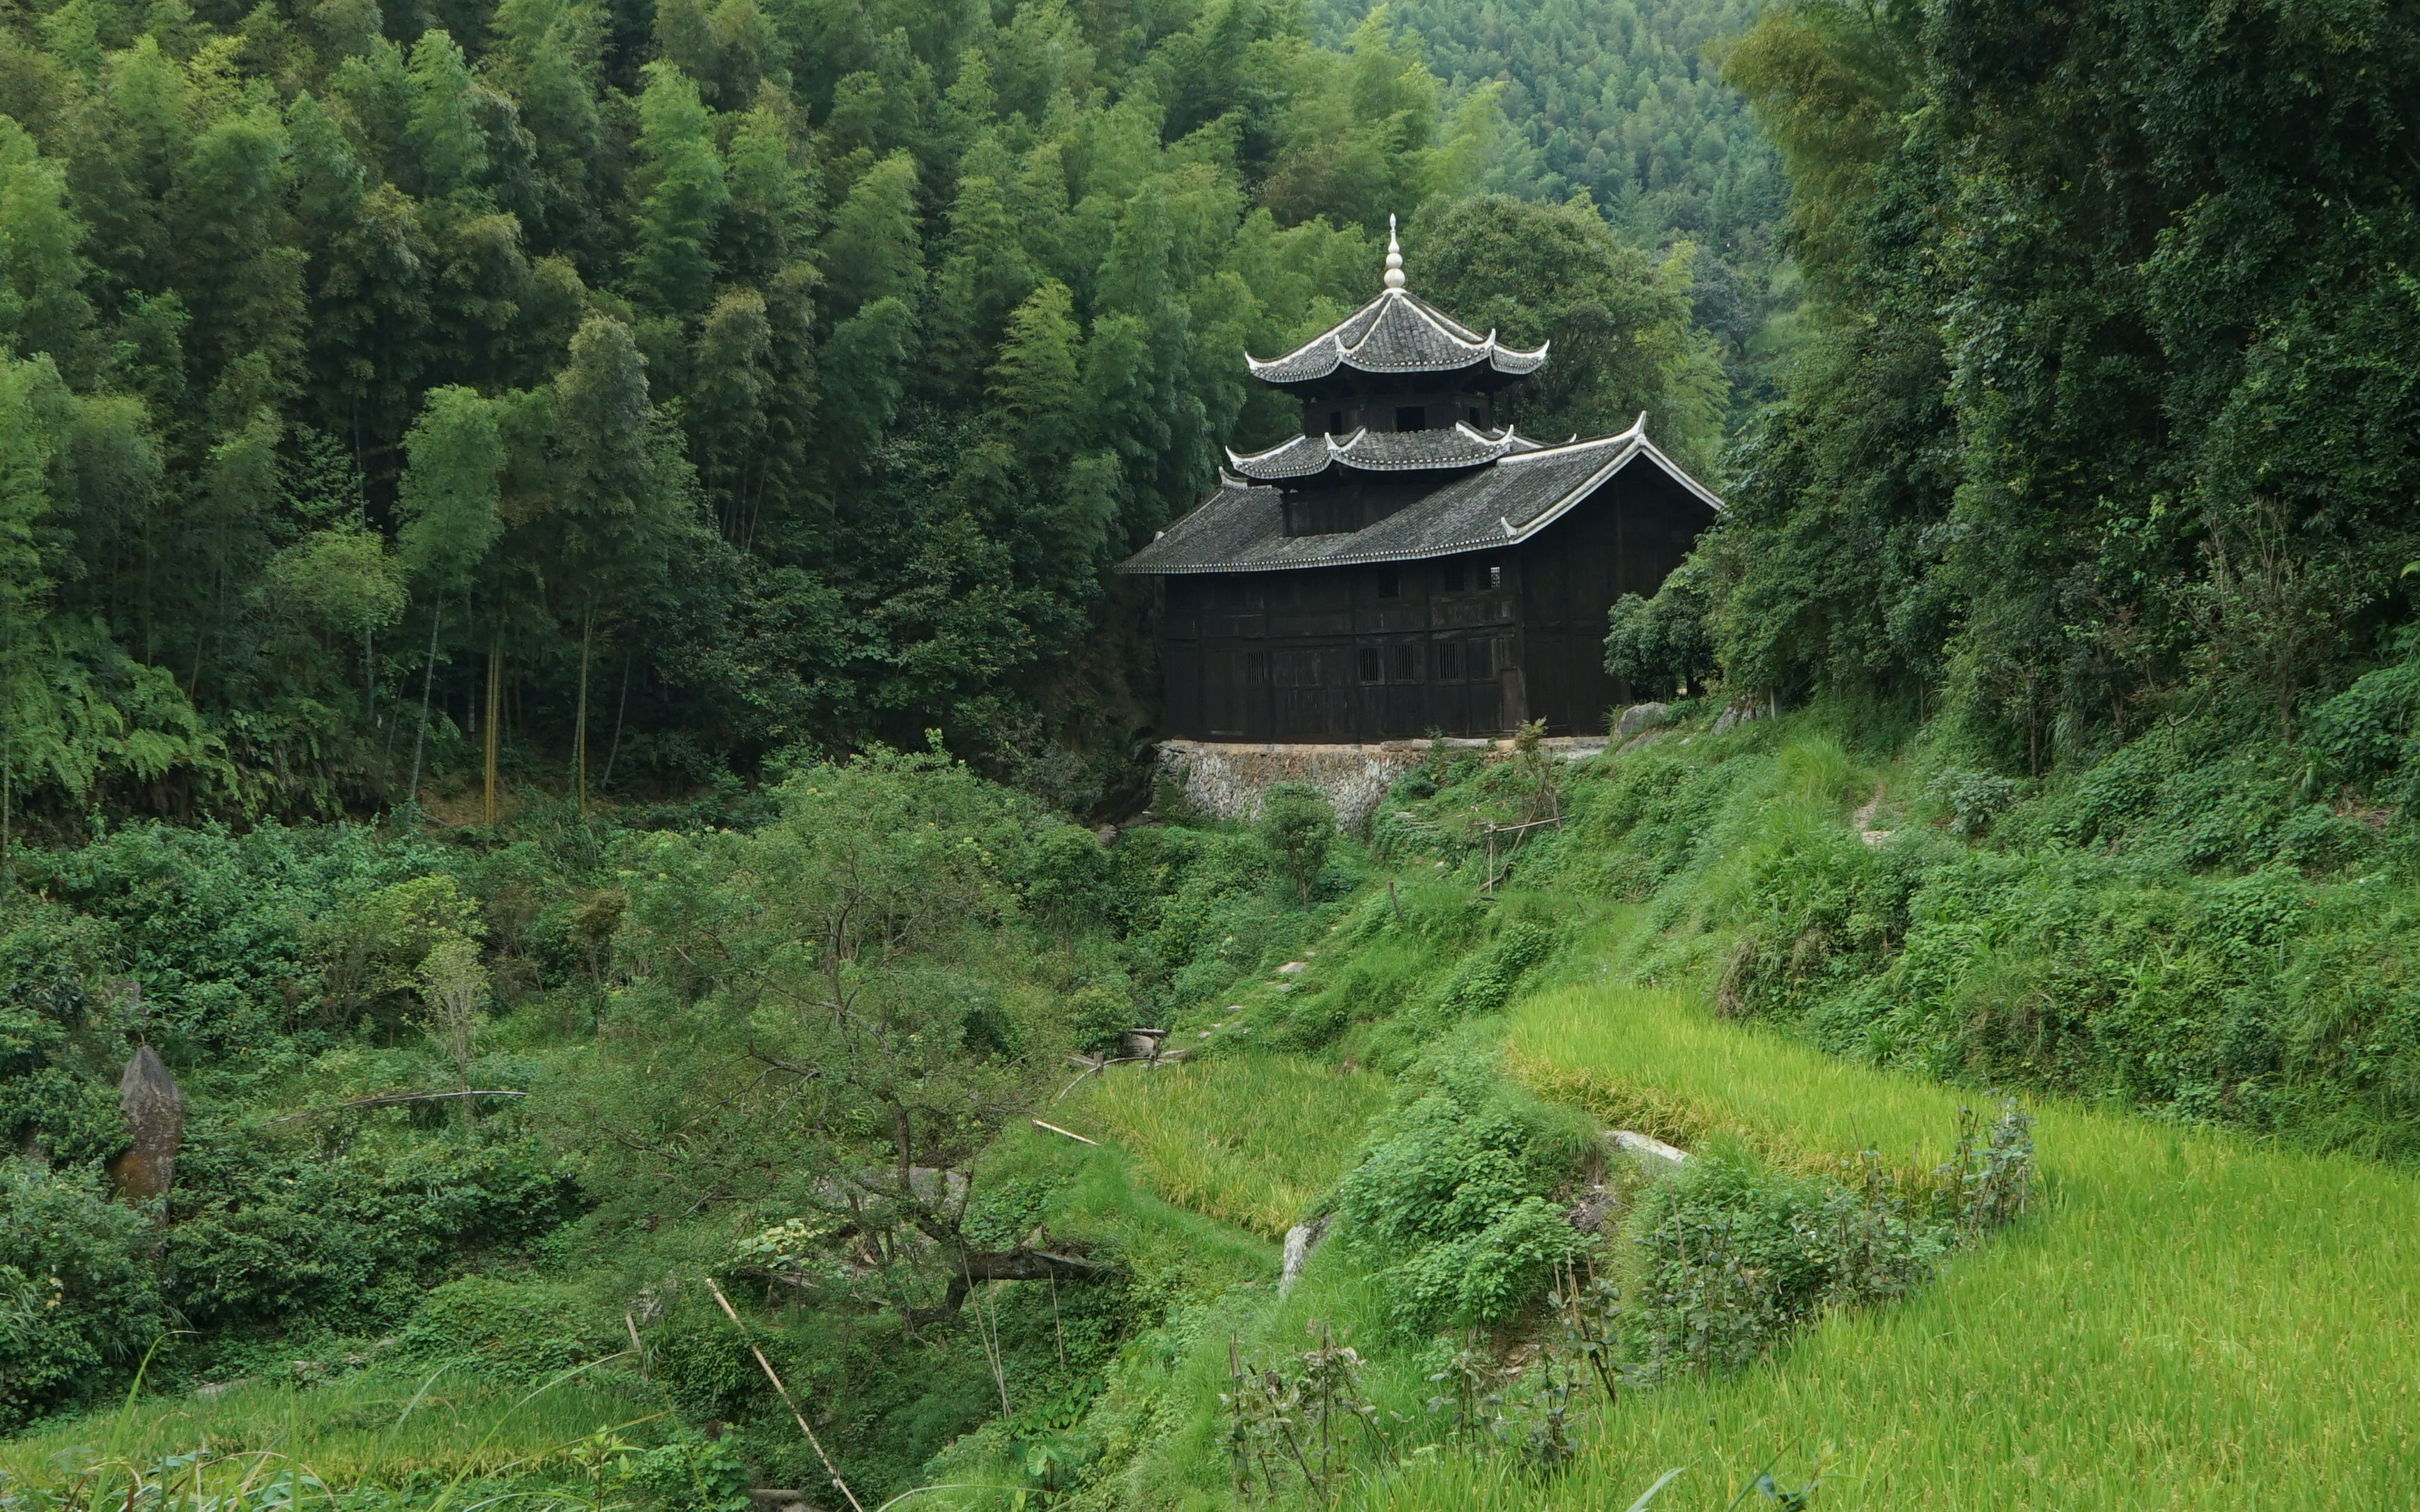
(387, 1100)
(1023, 1263)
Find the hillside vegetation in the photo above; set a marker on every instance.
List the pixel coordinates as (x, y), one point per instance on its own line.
(553, 622)
(404, 403)
(1623, 102)
(1864, 1276)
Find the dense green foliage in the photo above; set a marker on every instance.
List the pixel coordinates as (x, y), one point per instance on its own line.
(1619, 102)
(731, 389)
(2109, 423)
(649, 394)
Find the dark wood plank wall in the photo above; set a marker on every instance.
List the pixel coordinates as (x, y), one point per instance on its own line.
(1384, 653)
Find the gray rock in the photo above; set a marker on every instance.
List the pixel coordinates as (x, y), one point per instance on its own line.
(1299, 1241)
(1652, 1152)
(1640, 718)
(155, 1116)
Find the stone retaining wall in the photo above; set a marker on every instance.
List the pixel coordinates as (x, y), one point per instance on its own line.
(1225, 779)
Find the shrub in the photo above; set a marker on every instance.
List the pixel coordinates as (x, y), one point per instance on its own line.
(1660, 646)
(1483, 981)
(212, 926)
(1971, 799)
(1456, 1198)
(276, 1236)
(370, 949)
(1298, 826)
(520, 1331)
(2369, 735)
(1731, 1255)
(79, 1301)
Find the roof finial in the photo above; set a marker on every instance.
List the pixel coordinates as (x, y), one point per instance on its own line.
(1394, 256)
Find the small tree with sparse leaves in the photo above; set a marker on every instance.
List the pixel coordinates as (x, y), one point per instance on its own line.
(1297, 825)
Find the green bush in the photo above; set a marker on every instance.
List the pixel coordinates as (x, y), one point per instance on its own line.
(1484, 981)
(1297, 825)
(1730, 1255)
(215, 928)
(514, 1331)
(278, 1236)
(2368, 735)
(1660, 646)
(79, 1299)
(1457, 1198)
(690, 1473)
(58, 1043)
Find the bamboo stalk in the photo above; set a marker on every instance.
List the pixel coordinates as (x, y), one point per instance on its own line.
(428, 677)
(385, 1100)
(580, 726)
(800, 1418)
(492, 717)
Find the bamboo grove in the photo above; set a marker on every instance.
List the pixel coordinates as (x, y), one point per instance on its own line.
(607, 392)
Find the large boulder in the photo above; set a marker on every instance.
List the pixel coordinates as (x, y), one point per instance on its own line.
(1640, 718)
(155, 1115)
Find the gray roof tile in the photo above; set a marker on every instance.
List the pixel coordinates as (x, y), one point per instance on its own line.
(1380, 451)
(1395, 333)
(1241, 526)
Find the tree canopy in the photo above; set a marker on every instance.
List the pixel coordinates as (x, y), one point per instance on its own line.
(709, 384)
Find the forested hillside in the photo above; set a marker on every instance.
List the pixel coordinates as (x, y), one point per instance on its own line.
(1623, 100)
(642, 392)
(559, 690)
(2110, 428)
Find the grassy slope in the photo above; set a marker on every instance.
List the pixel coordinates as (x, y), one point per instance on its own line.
(2186, 1320)
(376, 1426)
(2189, 1318)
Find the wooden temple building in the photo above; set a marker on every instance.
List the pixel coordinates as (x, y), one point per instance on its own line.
(1408, 563)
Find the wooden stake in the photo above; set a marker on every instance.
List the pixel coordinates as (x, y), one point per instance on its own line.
(1069, 1133)
(800, 1418)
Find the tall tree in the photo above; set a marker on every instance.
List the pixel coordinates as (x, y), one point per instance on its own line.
(447, 503)
(683, 196)
(624, 509)
(872, 251)
(42, 303)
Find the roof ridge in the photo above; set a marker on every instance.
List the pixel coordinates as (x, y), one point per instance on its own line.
(1636, 432)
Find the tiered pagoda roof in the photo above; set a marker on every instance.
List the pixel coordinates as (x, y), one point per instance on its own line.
(1241, 526)
(1486, 490)
(1395, 333)
(1299, 458)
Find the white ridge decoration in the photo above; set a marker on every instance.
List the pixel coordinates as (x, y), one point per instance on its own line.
(1399, 315)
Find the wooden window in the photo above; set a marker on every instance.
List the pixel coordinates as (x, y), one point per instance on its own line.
(1232, 593)
(1495, 576)
(1412, 417)
(1456, 575)
(1370, 664)
(1407, 662)
(1391, 583)
(1256, 669)
(1335, 421)
(1448, 661)
(1473, 416)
